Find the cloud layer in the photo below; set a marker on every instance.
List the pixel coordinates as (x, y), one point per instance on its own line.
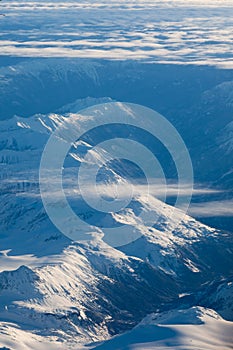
(175, 31)
(212, 209)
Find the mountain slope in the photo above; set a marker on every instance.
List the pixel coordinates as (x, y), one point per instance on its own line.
(79, 292)
(175, 248)
(92, 292)
(195, 328)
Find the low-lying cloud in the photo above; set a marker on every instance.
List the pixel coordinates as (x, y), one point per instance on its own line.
(212, 209)
(143, 30)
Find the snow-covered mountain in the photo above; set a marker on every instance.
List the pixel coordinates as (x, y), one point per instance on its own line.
(64, 294)
(218, 295)
(194, 328)
(166, 245)
(87, 292)
(98, 247)
(198, 96)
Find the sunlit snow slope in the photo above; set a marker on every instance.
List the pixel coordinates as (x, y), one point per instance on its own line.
(195, 328)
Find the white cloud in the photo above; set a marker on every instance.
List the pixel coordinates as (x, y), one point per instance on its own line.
(147, 30)
(212, 209)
